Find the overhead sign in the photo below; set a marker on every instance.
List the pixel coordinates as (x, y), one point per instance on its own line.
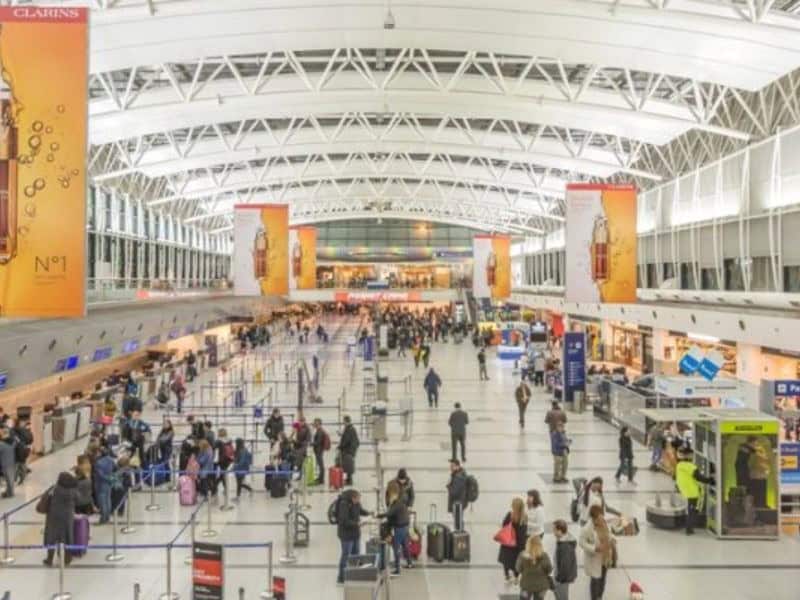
(574, 364)
(261, 249)
(707, 365)
(690, 361)
(207, 571)
(697, 387)
(354, 297)
(786, 387)
(43, 131)
(491, 275)
(601, 243)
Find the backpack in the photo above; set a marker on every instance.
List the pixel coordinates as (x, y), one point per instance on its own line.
(333, 509)
(472, 489)
(228, 451)
(326, 441)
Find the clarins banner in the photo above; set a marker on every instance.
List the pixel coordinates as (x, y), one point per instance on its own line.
(601, 243)
(261, 249)
(303, 258)
(43, 114)
(491, 277)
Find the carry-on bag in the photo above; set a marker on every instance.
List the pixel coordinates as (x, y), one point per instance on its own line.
(187, 491)
(459, 539)
(309, 470)
(80, 534)
(335, 478)
(414, 540)
(438, 535)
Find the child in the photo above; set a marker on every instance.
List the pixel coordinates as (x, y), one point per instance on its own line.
(566, 564)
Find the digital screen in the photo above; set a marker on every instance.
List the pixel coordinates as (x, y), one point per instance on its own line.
(130, 346)
(154, 341)
(67, 364)
(538, 332)
(174, 334)
(102, 354)
(3, 380)
(189, 329)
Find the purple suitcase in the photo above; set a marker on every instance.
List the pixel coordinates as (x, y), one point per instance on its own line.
(80, 534)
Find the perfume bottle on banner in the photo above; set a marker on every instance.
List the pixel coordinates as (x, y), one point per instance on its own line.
(260, 249)
(600, 250)
(297, 260)
(491, 269)
(8, 178)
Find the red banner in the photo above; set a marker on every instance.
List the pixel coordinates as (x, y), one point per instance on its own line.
(377, 297)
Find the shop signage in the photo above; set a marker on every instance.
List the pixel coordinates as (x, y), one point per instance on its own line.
(707, 365)
(574, 364)
(790, 463)
(787, 388)
(690, 361)
(207, 572)
(377, 297)
(696, 387)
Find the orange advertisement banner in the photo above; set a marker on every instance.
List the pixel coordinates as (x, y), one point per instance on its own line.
(43, 104)
(303, 242)
(276, 225)
(501, 247)
(261, 250)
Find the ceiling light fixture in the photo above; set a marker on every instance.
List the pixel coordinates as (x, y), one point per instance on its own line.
(388, 20)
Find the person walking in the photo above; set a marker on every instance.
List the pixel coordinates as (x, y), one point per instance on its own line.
(656, 440)
(426, 354)
(559, 446)
(432, 384)
(507, 555)
(348, 527)
(535, 513)
(482, 374)
(625, 456)
(523, 397)
(242, 463)
(321, 443)
(596, 542)
(566, 563)
(688, 479)
(538, 369)
(555, 416)
(8, 464)
(534, 567)
(348, 446)
(59, 524)
(459, 419)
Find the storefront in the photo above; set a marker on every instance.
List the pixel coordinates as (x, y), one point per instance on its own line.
(678, 343)
(594, 334)
(779, 364)
(632, 346)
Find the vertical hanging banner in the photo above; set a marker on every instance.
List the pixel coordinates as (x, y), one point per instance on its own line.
(303, 258)
(261, 249)
(491, 271)
(601, 243)
(43, 116)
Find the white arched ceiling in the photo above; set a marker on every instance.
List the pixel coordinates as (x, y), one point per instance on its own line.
(204, 102)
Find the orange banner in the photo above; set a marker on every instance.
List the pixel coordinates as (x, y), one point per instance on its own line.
(303, 267)
(501, 245)
(43, 105)
(261, 249)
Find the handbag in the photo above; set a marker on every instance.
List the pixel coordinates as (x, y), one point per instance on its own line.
(507, 536)
(43, 505)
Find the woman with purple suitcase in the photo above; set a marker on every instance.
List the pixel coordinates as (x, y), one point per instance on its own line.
(59, 525)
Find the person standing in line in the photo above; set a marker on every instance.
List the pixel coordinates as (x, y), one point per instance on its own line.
(523, 397)
(559, 446)
(534, 566)
(688, 479)
(457, 490)
(274, 425)
(482, 374)
(60, 517)
(596, 542)
(538, 369)
(8, 464)
(555, 416)
(321, 443)
(103, 480)
(348, 446)
(535, 513)
(625, 456)
(656, 440)
(566, 564)
(432, 384)
(507, 555)
(241, 466)
(348, 527)
(459, 419)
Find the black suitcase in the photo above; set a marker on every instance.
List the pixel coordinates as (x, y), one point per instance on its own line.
(278, 486)
(459, 539)
(438, 536)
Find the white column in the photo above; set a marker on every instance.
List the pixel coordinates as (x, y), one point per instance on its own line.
(749, 368)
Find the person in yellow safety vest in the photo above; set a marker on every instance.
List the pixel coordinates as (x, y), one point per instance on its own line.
(688, 480)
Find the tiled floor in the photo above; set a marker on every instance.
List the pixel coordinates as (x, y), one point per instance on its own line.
(506, 461)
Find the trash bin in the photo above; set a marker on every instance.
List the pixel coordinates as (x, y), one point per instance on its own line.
(362, 577)
(383, 389)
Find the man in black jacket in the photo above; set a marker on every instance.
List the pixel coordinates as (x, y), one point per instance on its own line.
(348, 527)
(274, 425)
(457, 487)
(320, 443)
(625, 455)
(348, 446)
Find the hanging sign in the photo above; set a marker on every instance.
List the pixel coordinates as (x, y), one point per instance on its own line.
(208, 570)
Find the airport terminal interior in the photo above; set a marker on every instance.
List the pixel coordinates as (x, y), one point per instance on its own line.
(380, 299)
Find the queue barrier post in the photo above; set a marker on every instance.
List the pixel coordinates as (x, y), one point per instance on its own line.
(268, 593)
(193, 532)
(289, 556)
(61, 595)
(137, 591)
(153, 506)
(129, 528)
(209, 531)
(226, 505)
(7, 558)
(114, 556)
(169, 594)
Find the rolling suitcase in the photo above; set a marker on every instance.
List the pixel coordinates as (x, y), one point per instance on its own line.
(187, 491)
(309, 470)
(336, 478)
(276, 482)
(80, 534)
(459, 539)
(438, 536)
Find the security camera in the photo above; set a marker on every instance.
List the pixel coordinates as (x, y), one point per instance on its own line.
(388, 21)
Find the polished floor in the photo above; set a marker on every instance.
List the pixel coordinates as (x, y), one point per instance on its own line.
(506, 461)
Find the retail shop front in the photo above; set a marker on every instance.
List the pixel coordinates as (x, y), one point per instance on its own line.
(632, 346)
(593, 328)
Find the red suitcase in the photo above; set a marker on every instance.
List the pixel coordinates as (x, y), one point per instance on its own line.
(336, 478)
(80, 536)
